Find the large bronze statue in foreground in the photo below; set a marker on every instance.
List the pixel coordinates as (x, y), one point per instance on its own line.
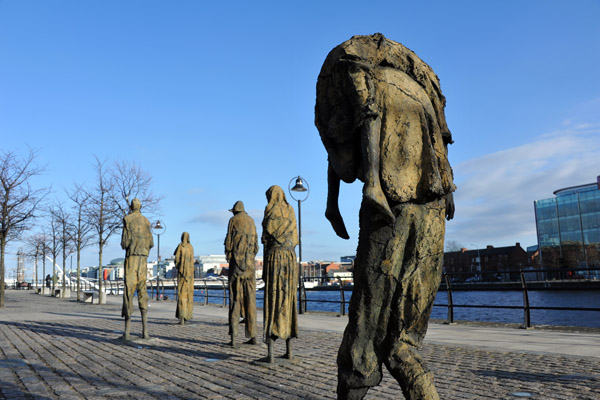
(280, 272)
(380, 114)
(184, 264)
(137, 241)
(241, 246)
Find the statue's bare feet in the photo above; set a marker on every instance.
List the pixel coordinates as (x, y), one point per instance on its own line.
(337, 222)
(145, 336)
(288, 350)
(125, 337)
(374, 196)
(353, 394)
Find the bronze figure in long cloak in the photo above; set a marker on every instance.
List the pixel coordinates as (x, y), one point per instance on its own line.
(184, 264)
(280, 271)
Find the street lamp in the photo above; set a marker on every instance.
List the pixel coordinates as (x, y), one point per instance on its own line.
(158, 227)
(300, 187)
(478, 259)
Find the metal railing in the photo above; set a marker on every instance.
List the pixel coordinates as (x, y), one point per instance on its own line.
(526, 306)
(155, 287)
(208, 287)
(221, 285)
(512, 276)
(325, 283)
(522, 280)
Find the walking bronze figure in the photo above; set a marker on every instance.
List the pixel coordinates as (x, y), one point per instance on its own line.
(241, 246)
(380, 114)
(137, 241)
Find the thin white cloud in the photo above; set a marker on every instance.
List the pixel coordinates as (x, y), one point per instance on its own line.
(494, 201)
(218, 218)
(221, 217)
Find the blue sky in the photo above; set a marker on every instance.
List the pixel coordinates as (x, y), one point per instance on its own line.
(216, 102)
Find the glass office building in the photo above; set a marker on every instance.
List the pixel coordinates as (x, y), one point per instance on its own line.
(568, 227)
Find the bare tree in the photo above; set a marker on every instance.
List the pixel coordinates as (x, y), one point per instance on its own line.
(81, 227)
(453, 245)
(110, 197)
(42, 242)
(54, 245)
(32, 252)
(131, 181)
(102, 215)
(37, 246)
(19, 201)
(65, 237)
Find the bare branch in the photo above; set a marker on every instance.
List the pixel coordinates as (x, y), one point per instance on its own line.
(102, 213)
(131, 181)
(453, 245)
(19, 201)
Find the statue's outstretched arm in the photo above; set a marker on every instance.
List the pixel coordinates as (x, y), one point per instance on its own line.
(371, 138)
(332, 213)
(449, 206)
(450, 196)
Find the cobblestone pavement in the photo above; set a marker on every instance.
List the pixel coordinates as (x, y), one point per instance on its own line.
(69, 356)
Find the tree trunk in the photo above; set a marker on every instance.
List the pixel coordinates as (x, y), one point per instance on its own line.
(35, 273)
(79, 273)
(100, 274)
(64, 280)
(2, 248)
(44, 269)
(54, 277)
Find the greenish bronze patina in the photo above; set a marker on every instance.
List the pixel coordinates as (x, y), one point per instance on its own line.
(280, 271)
(184, 264)
(241, 246)
(137, 241)
(380, 114)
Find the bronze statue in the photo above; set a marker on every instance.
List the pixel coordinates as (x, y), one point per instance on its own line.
(280, 272)
(137, 241)
(184, 264)
(380, 114)
(241, 246)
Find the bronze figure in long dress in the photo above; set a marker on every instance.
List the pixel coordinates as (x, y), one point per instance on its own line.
(280, 271)
(184, 264)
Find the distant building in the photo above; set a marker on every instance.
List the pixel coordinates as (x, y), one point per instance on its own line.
(210, 262)
(489, 260)
(20, 266)
(533, 253)
(214, 264)
(115, 269)
(340, 272)
(347, 259)
(568, 227)
(165, 268)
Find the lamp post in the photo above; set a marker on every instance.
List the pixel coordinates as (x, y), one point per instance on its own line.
(158, 228)
(478, 260)
(300, 187)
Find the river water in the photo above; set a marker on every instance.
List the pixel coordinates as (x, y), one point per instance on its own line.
(330, 301)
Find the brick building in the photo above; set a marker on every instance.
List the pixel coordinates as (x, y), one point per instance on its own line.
(489, 260)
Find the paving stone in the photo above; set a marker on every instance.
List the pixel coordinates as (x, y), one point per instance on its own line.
(82, 358)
